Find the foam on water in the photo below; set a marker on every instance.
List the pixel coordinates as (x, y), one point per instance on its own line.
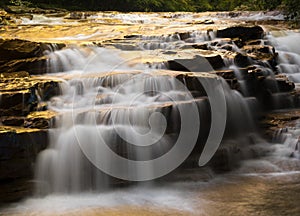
(38, 19)
(157, 198)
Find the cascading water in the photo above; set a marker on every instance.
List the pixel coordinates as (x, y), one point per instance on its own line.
(134, 111)
(111, 100)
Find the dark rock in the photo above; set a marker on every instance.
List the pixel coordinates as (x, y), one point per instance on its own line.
(238, 42)
(19, 96)
(132, 36)
(48, 89)
(197, 64)
(18, 103)
(274, 122)
(14, 75)
(242, 60)
(208, 22)
(255, 42)
(184, 35)
(262, 54)
(242, 32)
(203, 46)
(227, 157)
(18, 150)
(5, 19)
(13, 121)
(12, 49)
(40, 120)
(284, 84)
(23, 55)
(226, 74)
(35, 65)
(234, 14)
(203, 22)
(259, 48)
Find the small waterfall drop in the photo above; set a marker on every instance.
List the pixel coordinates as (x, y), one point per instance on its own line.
(134, 111)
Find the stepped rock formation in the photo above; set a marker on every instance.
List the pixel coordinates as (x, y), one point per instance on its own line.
(239, 55)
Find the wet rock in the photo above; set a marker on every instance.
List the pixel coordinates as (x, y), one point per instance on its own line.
(203, 46)
(47, 88)
(132, 36)
(5, 18)
(238, 42)
(259, 48)
(226, 74)
(255, 42)
(19, 95)
(184, 35)
(18, 49)
(34, 66)
(79, 15)
(200, 63)
(11, 49)
(218, 45)
(14, 75)
(13, 121)
(242, 60)
(18, 150)
(242, 32)
(274, 122)
(230, 78)
(23, 55)
(227, 157)
(262, 53)
(284, 84)
(40, 120)
(18, 103)
(202, 22)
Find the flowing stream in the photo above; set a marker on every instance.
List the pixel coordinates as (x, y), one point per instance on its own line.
(115, 102)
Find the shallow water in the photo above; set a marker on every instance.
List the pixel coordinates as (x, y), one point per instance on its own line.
(249, 194)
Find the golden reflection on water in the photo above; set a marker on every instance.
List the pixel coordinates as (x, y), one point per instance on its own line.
(269, 195)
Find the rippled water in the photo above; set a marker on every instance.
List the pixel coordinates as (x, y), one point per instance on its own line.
(267, 194)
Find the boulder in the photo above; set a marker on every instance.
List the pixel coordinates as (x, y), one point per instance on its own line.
(199, 63)
(243, 32)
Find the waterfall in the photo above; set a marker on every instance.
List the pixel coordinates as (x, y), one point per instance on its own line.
(137, 113)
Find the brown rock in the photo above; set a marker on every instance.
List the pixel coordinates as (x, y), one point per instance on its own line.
(18, 103)
(18, 150)
(200, 63)
(23, 55)
(13, 121)
(242, 32)
(242, 60)
(35, 65)
(40, 120)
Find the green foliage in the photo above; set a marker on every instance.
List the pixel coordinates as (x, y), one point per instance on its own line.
(291, 7)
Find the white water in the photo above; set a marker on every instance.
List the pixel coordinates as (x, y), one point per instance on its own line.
(37, 19)
(87, 104)
(104, 96)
